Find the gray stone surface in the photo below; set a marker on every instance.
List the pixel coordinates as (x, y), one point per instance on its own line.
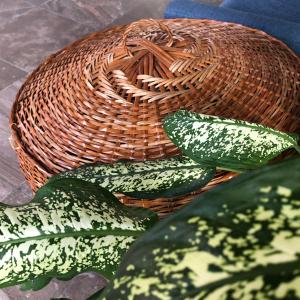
(9, 74)
(8, 94)
(30, 30)
(94, 12)
(21, 194)
(10, 176)
(36, 2)
(79, 288)
(37, 33)
(13, 5)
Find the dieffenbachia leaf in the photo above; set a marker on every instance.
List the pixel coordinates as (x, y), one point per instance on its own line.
(226, 143)
(240, 240)
(148, 179)
(71, 226)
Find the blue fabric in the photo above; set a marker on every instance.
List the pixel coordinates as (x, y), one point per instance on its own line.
(288, 10)
(288, 32)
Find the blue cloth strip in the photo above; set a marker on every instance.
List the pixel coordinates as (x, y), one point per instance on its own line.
(288, 10)
(288, 32)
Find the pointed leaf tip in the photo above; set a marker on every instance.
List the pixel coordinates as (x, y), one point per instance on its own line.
(226, 143)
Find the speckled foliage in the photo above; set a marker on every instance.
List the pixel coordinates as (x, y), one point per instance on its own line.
(226, 143)
(149, 179)
(238, 241)
(71, 226)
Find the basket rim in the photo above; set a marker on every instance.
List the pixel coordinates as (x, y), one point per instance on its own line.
(16, 144)
(15, 137)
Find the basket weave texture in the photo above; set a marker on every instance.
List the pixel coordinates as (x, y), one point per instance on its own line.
(103, 98)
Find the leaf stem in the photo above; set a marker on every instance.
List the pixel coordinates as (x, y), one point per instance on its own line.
(228, 169)
(80, 233)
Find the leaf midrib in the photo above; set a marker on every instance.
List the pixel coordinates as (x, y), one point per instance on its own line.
(147, 172)
(82, 233)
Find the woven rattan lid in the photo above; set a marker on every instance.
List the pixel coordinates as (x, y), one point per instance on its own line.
(103, 98)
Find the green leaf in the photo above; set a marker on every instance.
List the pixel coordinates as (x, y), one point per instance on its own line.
(148, 179)
(238, 241)
(226, 143)
(71, 226)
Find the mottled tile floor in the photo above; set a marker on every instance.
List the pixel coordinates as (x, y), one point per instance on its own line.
(30, 30)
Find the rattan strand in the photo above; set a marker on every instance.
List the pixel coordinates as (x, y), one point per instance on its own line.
(103, 98)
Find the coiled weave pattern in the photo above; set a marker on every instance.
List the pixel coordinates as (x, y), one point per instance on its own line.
(103, 98)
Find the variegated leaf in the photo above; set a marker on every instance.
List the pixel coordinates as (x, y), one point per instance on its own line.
(226, 143)
(238, 241)
(71, 226)
(148, 179)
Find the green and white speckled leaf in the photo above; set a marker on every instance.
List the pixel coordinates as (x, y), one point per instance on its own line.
(240, 240)
(71, 226)
(148, 179)
(226, 143)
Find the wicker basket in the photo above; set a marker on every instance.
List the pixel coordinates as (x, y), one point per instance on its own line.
(103, 97)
